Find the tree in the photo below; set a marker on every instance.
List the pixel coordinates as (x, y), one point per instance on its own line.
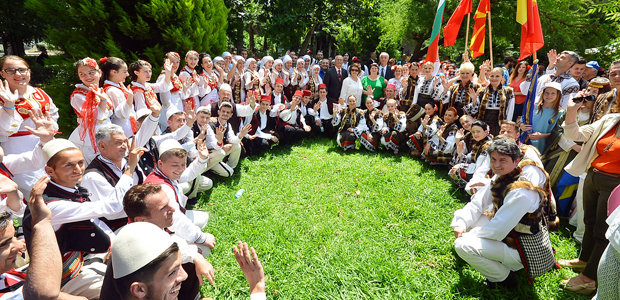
(133, 29)
(18, 26)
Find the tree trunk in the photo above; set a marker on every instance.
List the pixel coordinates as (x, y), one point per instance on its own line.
(264, 51)
(251, 34)
(307, 39)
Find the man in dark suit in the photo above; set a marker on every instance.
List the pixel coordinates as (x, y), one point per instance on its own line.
(333, 79)
(384, 69)
(372, 60)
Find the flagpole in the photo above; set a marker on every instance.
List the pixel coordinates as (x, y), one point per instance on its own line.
(467, 34)
(490, 40)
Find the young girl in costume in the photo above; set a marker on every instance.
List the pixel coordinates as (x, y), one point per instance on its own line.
(209, 82)
(428, 87)
(349, 118)
(371, 136)
(394, 124)
(426, 136)
(397, 81)
(92, 106)
(184, 86)
(442, 152)
(300, 78)
(546, 116)
(493, 103)
(236, 77)
(470, 153)
(264, 74)
(144, 91)
(114, 74)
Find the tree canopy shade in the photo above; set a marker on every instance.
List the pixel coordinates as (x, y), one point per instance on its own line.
(132, 29)
(18, 26)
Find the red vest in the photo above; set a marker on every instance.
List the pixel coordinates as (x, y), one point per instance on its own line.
(23, 106)
(149, 94)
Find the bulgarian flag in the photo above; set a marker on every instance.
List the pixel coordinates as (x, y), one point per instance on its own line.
(531, 30)
(480, 18)
(454, 24)
(433, 50)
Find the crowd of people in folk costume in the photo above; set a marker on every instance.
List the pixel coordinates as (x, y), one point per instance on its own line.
(143, 152)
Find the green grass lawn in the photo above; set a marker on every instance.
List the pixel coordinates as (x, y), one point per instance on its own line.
(333, 225)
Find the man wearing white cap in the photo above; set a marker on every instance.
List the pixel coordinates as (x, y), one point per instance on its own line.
(171, 169)
(239, 111)
(177, 119)
(149, 203)
(75, 218)
(146, 264)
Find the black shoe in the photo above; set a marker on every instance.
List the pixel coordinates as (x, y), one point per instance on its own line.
(509, 283)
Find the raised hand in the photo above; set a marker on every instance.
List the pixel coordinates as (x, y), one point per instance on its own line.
(8, 98)
(134, 156)
(444, 83)
(202, 149)
(219, 133)
(341, 101)
(188, 83)
(245, 130)
(129, 94)
(44, 125)
(204, 268)
(460, 148)
(441, 130)
(39, 210)
(460, 134)
(195, 77)
(425, 120)
(472, 94)
(168, 65)
(317, 106)
(154, 106)
(552, 55)
(251, 267)
(190, 113)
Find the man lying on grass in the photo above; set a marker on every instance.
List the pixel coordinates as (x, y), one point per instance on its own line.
(505, 220)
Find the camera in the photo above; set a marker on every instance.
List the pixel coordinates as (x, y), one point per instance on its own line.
(586, 98)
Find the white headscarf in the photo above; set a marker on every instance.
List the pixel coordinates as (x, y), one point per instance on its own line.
(286, 59)
(247, 64)
(265, 60)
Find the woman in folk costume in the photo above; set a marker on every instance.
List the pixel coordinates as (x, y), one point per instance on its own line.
(493, 103)
(394, 124)
(250, 76)
(114, 74)
(287, 61)
(236, 77)
(398, 82)
(428, 87)
(208, 82)
(426, 136)
(144, 91)
(471, 152)
(184, 86)
(371, 137)
(409, 84)
(92, 106)
(18, 97)
(220, 69)
(350, 123)
(264, 74)
(299, 80)
(442, 152)
(314, 80)
(279, 71)
(457, 95)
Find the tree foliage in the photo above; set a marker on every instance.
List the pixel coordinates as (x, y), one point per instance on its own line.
(18, 26)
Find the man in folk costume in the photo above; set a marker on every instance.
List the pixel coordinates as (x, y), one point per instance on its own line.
(263, 133)
(292, 124)
(307, 107)
(394, 124)
(324, 109)
(148, 203)
(507, 227)
(277, 95)
(558, 71)
(239, 110)
(220, 136)
(604, 102)
(171, 170)
(75, 218)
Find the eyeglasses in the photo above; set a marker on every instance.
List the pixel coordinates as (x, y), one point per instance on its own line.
(355, 70)
(21, 71)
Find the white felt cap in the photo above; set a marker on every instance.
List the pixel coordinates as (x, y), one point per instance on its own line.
(136, 245)
(169, 145)
(203, 108)
(54, 146)
(554, 85)
(171, 111)
(142, 112)
(226, 54)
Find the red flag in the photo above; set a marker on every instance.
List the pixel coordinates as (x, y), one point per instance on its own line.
(433, 50)
(454, 24)
(477, 38)
(531, 31)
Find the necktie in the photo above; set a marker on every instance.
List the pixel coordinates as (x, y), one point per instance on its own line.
(383, 71)
(339, 75)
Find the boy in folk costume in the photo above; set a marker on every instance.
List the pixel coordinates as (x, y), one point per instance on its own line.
(292, 123)
(324, 109)
(92, 106)
(503, 228)
(75, 218)
(144, 91)
(394, 124)
(170, 172)
(351, 124)
(277, 95)
(263, 133)
(307, 107)
(220, 136)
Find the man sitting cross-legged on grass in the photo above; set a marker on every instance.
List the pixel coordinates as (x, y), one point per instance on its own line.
(149, 203)
(507, 230)
(171, 170)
